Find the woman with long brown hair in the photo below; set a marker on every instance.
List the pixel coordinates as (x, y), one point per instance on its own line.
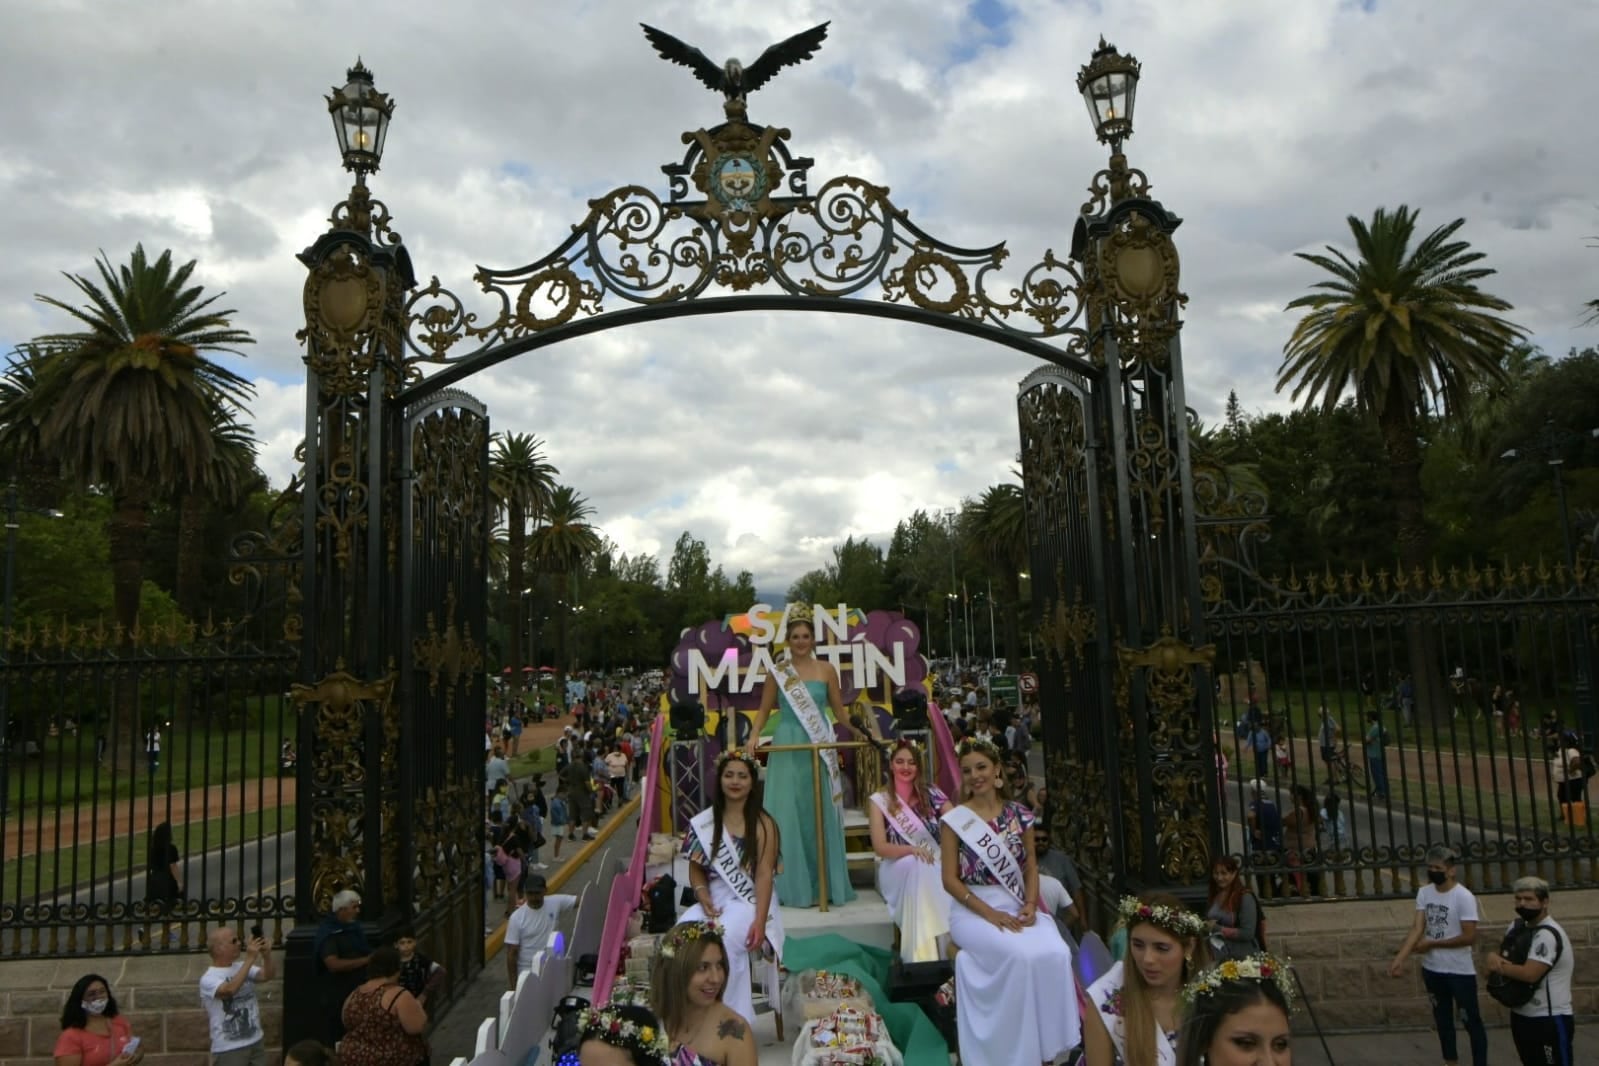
(806, 692)
(1138, 1003)
(732, 848)
(1015, 997)
(905, 834)
(687, 982)
(1234, 912)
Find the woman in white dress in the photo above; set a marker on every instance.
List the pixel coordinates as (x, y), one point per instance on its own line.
(1015, 996)
(905, 832)
(732, 848)
(1137, 1004)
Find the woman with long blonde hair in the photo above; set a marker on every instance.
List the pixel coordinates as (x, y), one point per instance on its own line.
(905, 835)
(1137, 1005)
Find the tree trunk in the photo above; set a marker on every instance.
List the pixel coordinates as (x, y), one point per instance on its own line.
(1013, 629)
(193, 510)
(127, 531)
(1414, 547)
(515, 565)
(564, 610)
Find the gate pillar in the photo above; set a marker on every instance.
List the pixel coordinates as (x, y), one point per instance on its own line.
(1115, 564)
(348, 724)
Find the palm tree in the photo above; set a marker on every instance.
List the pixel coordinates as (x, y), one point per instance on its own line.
(995, 529)
(1398, 329)
(127, 402)
(522, 483)
(228, 477)
(558, 546)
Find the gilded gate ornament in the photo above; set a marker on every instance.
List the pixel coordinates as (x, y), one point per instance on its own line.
(1066, 629)
(339, 704)
(344, 300)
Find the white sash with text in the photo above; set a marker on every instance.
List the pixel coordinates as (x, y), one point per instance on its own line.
(990, 847)
(905, 820)
(816, 727)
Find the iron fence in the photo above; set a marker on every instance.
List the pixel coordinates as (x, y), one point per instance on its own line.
(110, 734)
(1362, 718)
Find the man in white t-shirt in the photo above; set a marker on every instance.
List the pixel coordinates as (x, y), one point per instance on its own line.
(1442, 934)
(227, 991)
(528, 929)
(1543, 1027)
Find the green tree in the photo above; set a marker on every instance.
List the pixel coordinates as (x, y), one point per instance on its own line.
(995, 531)
(522, 484)
(1398, 329)
(127, 401)
(226, 479)
(559, 546)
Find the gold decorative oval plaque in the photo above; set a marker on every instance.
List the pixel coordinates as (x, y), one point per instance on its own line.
(1140, 270)
(344, 303)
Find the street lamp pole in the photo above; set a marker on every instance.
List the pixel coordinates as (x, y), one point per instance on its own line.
(5, 641)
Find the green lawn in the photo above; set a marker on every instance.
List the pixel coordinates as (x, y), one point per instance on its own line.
(65, 774)
(530, 763)
(116, 857)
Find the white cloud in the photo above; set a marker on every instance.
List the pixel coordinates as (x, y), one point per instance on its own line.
(201, 127)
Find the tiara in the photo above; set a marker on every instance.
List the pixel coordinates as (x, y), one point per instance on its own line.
(905, 742)
(801, 612)
(610, 1027)
(683, 935)
(981, 747)
(1261, 967)
(1177, 921)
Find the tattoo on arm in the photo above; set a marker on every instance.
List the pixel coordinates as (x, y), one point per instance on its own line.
(730, 1028)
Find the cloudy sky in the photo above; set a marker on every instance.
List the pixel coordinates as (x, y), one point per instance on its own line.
(200, 126)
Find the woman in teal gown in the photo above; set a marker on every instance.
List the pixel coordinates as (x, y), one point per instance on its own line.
(789, 787)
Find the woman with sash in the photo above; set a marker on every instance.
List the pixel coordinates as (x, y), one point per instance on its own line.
(805, 687)
(732, 849)
(905, 834)
(1137, 1004)
(1015, 996)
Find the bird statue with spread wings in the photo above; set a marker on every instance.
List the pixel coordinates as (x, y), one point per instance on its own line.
(733, 79)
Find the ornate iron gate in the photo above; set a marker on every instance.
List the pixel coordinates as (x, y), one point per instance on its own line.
(444, 529)
(1112, 525)
(396, 513)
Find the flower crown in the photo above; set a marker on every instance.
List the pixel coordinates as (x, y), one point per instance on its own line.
(1260, 967)
(1177, 921)
(683, 935)
(893, 744)
(729, 754)
(610, 1027)
(982, 747)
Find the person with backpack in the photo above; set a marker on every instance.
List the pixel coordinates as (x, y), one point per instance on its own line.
(1443, 934)
(1531, 975)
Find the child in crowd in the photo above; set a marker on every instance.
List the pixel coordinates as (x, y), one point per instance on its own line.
(419, 975)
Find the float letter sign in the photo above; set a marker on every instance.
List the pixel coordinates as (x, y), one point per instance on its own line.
(860, 663)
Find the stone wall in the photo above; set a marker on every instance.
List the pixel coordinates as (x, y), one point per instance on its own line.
(1342, 951)
(159, 995)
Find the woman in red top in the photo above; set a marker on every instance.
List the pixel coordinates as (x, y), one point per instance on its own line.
(92, 1032)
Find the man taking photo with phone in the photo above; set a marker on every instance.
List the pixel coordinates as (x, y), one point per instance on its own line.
(227, 991)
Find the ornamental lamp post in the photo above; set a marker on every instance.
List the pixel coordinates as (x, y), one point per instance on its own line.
(1109, 84)
(360, 121)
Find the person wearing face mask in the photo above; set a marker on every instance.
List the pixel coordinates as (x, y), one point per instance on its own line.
(92, 1032)
(1443, 932)
(1536, 953)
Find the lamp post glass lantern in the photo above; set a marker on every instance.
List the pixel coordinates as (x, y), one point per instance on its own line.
(1109, 84)
(360, 120)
